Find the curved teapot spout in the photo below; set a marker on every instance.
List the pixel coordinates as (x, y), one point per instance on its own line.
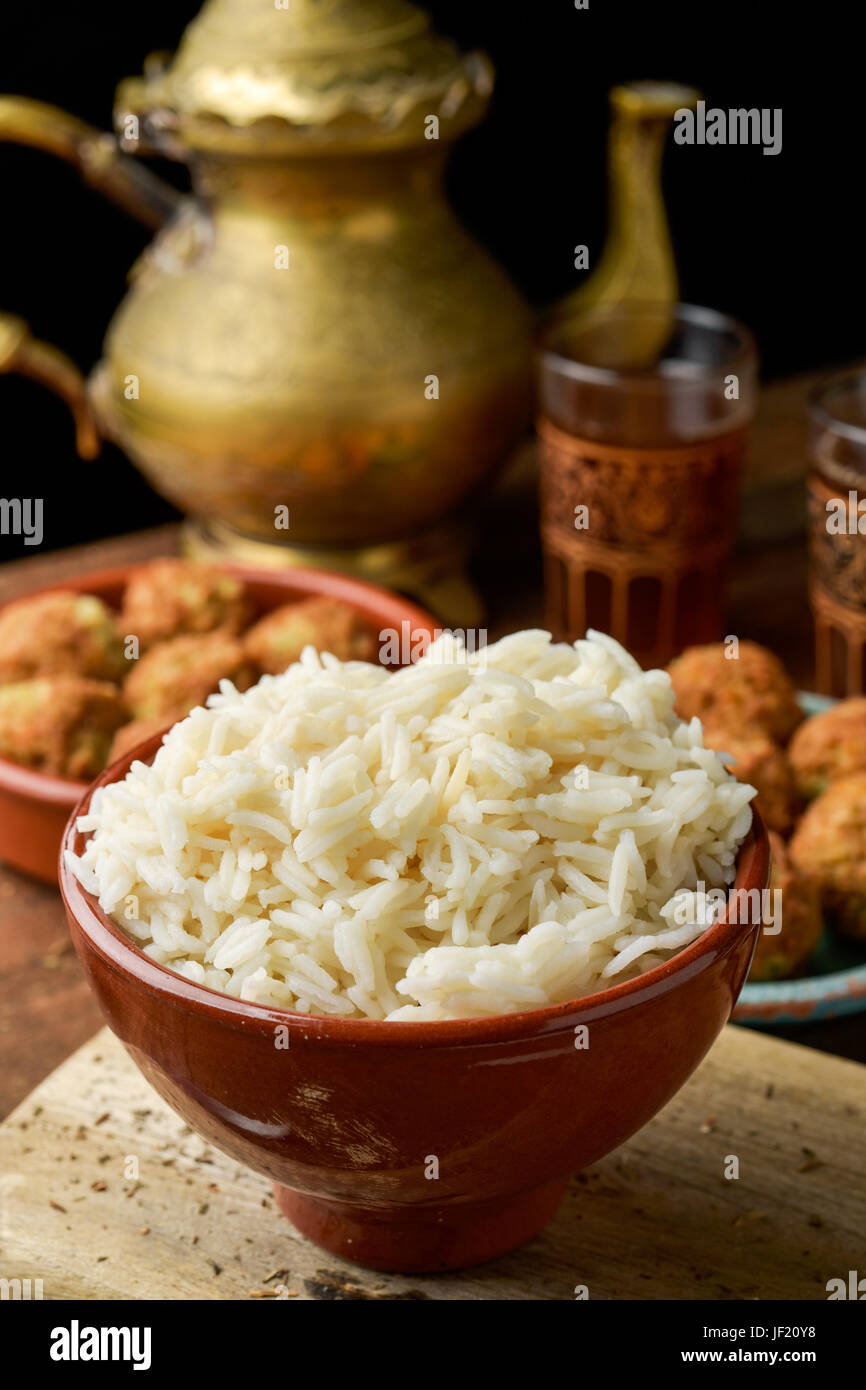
(21, 352)
(637, 264)
(95, 153)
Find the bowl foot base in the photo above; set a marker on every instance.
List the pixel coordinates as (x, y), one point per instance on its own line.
(422, 1240)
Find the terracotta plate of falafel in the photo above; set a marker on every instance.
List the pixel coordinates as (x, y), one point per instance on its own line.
(90, 670)
(806, 756)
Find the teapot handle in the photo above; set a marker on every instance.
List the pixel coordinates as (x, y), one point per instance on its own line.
(95, 153)
(21, 352)
(99, 159)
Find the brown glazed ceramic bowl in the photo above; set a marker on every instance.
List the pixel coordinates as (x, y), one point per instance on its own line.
(34, 807)
(353, 1119)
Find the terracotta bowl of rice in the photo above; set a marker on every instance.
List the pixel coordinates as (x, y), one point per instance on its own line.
(420, 945)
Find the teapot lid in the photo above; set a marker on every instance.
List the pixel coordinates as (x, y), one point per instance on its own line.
(274, 76)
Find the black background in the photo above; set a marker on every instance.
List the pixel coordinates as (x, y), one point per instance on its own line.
(777, 241)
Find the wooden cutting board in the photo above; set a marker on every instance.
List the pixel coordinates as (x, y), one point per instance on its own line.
(657, 1219)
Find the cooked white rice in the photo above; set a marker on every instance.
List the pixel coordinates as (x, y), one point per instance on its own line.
(471, 835)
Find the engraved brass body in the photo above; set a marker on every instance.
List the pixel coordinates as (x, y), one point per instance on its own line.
(312, 329)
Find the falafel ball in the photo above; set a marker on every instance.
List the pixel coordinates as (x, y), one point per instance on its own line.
(171, 679)
(763, 764)
(279, 638)
(168, 598)
(750, 691)
(60, 633)
(829, 746)
(60, 724)
(829, 844)
(783, 956)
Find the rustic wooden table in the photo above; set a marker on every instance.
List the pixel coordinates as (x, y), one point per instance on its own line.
(46, 1009)
(194, 1224)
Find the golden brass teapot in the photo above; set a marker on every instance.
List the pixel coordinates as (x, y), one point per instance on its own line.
(312, 353)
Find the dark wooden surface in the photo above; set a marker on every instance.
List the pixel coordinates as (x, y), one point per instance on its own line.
(45, 1007)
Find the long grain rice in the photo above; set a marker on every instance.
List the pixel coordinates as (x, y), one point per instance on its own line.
(474, 834)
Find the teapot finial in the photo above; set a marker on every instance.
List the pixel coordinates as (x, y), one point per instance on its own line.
(317, 75)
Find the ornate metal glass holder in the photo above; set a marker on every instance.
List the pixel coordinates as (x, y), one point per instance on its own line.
(837, 534)
(640, 472)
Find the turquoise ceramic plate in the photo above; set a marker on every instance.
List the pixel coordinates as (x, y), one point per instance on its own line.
(835, 979)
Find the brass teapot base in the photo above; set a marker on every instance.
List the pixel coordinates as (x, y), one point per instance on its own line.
(429, 567)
